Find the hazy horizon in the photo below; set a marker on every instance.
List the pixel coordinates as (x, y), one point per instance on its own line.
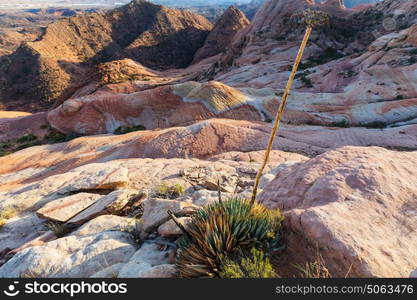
(28, 4)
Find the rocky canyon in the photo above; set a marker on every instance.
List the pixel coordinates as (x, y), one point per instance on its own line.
(112, 117)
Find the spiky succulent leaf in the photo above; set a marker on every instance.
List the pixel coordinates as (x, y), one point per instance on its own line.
(229, 229)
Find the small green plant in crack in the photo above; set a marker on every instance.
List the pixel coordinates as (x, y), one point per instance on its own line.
(257, 265)
(412, 60)
(168, 191)
(342, 124)
(27, 138)
(28, 145)
(328, 55)
(59, 229)
(134, 228)
(304, 79)
(127, 129)
(374, 125)
(307, 82)
(5, 153)
(55, 136)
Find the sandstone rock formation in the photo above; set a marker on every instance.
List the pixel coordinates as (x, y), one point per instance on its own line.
(60, 59)
(161, 107)
(77, 255)
(15, 125)
(329, 89)
(231, 22)
(201, 140)
(204, 128)
(341, 75)
(355, 206)
(29, 255)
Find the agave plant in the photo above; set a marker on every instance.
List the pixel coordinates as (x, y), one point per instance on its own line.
(226, 229)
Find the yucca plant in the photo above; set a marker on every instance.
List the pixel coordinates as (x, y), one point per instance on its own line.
(226, 229)
(255, 266)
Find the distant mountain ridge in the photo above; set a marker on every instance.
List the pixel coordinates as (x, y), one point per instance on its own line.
(154, 35)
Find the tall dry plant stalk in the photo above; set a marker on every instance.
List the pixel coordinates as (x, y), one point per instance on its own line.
(311, 18)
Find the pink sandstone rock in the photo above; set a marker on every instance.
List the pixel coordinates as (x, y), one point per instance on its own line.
(15, 125)
(232, 21)
(356, 206)
(161, 107)
(201, 140)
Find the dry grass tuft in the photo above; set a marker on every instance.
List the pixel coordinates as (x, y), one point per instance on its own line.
(6, 215)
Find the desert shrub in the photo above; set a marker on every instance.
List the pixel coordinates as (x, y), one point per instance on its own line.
(5, 146)
(170, 191)
(342, 123)
(59, 229)
(126, 129)
(28, 145)
(255, 266)
(134, 228)
(412, 60)
(306, 81)
(5, 153)
(226, 230)
(328, 55)
(374, 124)
(315, 269)
(27, 138)
(54, 136)
(6, 215)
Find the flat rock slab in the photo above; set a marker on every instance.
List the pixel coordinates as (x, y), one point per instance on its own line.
(109, 204)
(111, 177)
(64, 209)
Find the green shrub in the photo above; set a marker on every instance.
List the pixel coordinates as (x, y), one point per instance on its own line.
(27, 138)
(342, 123)
(28, 145)
(328, 55)
(5, 153)
(255, 266)
(59, 229)
(5, 145)
(226, 230)
(126, 129)
(54, 136)
(307, 82)
(171, 191)
(375, 125)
